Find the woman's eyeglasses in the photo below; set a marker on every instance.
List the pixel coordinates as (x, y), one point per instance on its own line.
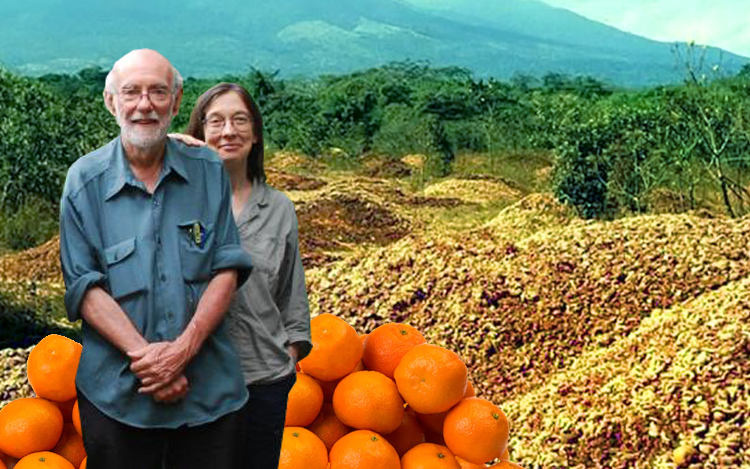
(241, 122)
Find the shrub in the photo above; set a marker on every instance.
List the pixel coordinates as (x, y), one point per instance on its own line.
(33, 223)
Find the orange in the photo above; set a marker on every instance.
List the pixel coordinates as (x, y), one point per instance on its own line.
(363, 449)
(431, 379)
(434, 422)
(470, 391)
(70, 445)
(506, 455)
(43, 460)
(66, 408)
(469, 465)
(336, 348)
(52, 366)
(304, 403)
(83, 464)
(301, 449)
(429, 456)
(368, 400)
(505, 465)
(476, 430)
(329, 386)
(2, 464)
(387, 345)
(328, 427)
(29, 425)
(408, 435)
(77, 418)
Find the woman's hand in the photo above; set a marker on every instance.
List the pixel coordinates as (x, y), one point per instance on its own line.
(188, 140)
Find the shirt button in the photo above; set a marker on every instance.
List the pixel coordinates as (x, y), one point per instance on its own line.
(156, 203)
(170, 315)
(163, 278)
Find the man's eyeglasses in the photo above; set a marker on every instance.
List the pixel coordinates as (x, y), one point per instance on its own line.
(155, 95)
(241, 122)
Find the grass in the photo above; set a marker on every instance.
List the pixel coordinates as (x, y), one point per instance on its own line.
(528, 169)
(456, 219)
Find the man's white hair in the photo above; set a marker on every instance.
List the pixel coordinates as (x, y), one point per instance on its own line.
(110, 84)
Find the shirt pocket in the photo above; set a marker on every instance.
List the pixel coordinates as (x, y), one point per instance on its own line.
(196, 257)
(124, 269)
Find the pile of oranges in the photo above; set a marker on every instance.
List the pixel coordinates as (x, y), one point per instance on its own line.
(44, 432)
(387, 400)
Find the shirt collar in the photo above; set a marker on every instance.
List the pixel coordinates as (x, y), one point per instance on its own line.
(258, 194)
(258, 198)
(120, 173)
(174, 160)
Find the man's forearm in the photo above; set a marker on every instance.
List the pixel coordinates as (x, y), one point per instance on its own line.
(103, 313)
(211, 309)
(160, 363)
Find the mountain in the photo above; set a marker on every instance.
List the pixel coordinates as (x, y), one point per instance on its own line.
(312, 37)
(537, 19)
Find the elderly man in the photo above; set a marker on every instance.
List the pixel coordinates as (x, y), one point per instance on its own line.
(151, 257)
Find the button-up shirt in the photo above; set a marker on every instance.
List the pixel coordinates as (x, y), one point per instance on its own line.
(271, 310)
(155, 254)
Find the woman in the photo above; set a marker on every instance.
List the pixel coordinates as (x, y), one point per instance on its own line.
(269, 316)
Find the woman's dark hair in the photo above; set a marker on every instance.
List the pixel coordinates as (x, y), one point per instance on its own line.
(255, 171)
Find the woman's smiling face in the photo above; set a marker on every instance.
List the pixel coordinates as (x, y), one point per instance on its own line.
(228, 127)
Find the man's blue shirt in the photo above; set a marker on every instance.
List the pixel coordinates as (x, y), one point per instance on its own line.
(155, 254)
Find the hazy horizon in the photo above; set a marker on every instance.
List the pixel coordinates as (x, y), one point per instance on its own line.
(713, 23)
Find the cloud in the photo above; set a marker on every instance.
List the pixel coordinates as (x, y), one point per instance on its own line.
(716, 23)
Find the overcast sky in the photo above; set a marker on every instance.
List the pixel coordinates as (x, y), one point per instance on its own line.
(720, 23)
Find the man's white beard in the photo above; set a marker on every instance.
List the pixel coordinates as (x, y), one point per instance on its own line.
(141, 138)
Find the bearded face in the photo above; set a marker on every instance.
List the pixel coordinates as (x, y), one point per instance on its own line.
(144, 127)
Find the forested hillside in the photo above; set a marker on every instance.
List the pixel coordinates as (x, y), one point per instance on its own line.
(613, 151)
(312, 37)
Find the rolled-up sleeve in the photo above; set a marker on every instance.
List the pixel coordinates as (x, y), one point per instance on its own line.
(229, 253)
(292, 293)
(80, 267)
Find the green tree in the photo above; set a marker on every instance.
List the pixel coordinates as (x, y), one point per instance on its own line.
(34, 148)
(711, 122)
